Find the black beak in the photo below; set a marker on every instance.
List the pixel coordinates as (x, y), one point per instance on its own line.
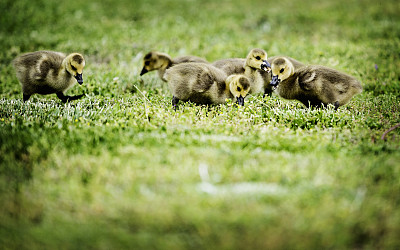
(144, 71)
(240, 101)
(265, 66)
(275, 81)
(79, 78)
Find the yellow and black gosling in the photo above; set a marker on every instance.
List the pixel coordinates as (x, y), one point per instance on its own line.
(313, 85)
(48, 72)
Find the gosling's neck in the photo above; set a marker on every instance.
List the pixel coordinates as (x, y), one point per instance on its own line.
(256, 80)
(228, 92)
(250, 72)
(289, 88)
(166, 63)
(63, 70)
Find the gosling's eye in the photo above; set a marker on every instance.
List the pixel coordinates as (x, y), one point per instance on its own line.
(72, 67)
(239, 89)
(258, 58)
(281, 70)
(147, 63)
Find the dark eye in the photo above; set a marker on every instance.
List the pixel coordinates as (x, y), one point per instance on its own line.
(72, 67)
(281, 70)
(239, 89)
(147, 63)
(258, 58)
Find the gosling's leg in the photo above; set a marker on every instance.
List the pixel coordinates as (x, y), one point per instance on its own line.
(75, 97)
(66, 98)
(336, 105)
(25, 97)
(267, 93)
(175, 102)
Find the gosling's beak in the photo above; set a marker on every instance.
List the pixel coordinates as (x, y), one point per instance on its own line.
(265, 66)
(240, 101)
(144, 71)
(275, 81)
(79, 78)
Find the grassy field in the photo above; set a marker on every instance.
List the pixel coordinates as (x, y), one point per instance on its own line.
(121, 169)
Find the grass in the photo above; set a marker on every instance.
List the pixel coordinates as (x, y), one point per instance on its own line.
(121, 169)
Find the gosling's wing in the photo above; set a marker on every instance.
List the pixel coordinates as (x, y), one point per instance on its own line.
(48, 63)
(204, 81)
(307, 78)
(207, 76)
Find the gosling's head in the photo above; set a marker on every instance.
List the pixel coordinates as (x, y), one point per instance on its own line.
(239, 85)
(155, 60)
(257, 58)
(282, 69)
(74, 65)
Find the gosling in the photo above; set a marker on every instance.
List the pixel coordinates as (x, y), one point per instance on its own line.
(238, 66)
(205, 84)
(48, 72)
(161, 61)
(256, 60)
(313, 85)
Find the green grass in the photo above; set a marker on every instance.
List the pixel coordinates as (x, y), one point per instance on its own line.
(121, 169)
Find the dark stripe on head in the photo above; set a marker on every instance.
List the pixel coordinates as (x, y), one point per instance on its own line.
(148, 56)
(77, 58)
(279, 61)
(244, 82)
(258, 51)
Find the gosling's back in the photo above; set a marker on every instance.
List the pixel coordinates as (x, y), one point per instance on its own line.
(230, 65)
(187, 59)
